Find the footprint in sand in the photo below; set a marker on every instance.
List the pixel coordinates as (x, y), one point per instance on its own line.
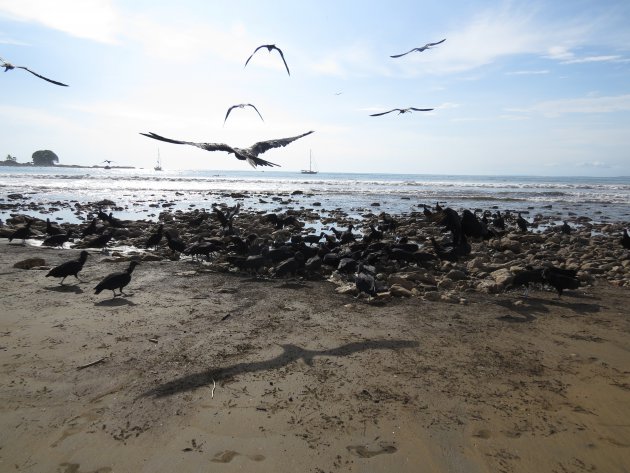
(227, 456)
(74, 468)
(364, 452)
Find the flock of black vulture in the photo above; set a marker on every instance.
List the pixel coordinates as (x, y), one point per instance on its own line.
(283, 248)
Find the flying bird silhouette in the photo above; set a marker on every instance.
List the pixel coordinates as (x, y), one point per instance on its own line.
(244, 154)
(241, 105)
(423, 48)
(269, 47)
(402, 110)
(8, 66)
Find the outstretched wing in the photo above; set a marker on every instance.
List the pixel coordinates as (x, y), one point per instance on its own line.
(228, 112)
(434, 44)
(404, 54)
(384, 113)
(263, 146)
(421, 109)
(251, 105)
(282, 56)
(255, 50)
(42, 77)
(206, 146)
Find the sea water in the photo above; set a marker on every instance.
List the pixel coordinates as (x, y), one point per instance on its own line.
(142, 193)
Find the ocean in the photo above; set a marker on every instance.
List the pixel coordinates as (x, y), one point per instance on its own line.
(142, 193)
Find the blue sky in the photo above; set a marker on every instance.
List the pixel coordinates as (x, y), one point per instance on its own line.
(518, 87)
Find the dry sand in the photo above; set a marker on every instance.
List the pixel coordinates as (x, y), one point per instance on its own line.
(203, 371)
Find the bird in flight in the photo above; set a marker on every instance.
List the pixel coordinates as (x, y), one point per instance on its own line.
(244, 154)
(108, 161)
(423, 48)
(8, 66)
(241, 105)
(402, 110)
(269, 47)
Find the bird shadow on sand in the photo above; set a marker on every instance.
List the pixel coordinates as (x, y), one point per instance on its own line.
(114, 302)
(536, 305)
(290, 353)
(70, 288)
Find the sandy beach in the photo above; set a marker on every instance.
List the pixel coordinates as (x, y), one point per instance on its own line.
(197, 370)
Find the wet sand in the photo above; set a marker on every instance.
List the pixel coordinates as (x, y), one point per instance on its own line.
(197, 370)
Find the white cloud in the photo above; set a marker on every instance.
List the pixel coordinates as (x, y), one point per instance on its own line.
(526, 73)
(586, 59)
(556, 108)
(13, 42)
(97, 20)
(592, 164)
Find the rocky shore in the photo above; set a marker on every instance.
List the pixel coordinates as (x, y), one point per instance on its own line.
(240, 341)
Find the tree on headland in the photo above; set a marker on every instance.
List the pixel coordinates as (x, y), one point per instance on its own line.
(44, 157)
(11, 158)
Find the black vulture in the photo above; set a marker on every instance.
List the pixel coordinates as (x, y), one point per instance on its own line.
(559, 281)
(522, 223)
(117, 280)
(8, 66)
(270, 47)
(364, 282)
(244, 154)
(90, 229)
(290, 266)
(69, 268)
(420, 49)
(566, 228)
(58, 239)
(154, 240)
(52, 229)
(241, 105)
(22, 233)
(401, 110)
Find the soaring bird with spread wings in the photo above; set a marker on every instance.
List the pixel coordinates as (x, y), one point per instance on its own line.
(244, 154)
(8, 66)
(270, 47)
(402, 110)
(423, 48)
(241, 105)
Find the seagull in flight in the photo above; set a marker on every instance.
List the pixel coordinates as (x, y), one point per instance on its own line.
(402, 110)
(423, 48)
(244, 154)
(241, 105)
(108, 161)
(8, 66)
(269, 47)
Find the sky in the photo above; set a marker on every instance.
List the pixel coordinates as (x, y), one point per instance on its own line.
(518, 87)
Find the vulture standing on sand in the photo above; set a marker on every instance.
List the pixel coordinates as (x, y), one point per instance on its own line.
(69, 268)
(117, 280)
(22, 233)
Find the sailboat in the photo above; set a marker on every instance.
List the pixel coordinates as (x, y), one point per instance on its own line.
(158, 166)
(310, 169)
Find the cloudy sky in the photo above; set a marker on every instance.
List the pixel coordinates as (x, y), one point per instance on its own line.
(518, 87)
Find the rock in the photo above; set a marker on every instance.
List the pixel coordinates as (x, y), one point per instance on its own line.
(489, 287)
(431, 296)
(350, 289)
(445, 284)
(456, 275)
(502, 277)
(399, 291)
(30, 263)
(399, 280)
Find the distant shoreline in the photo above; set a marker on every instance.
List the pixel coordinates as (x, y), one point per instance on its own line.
(28, 165)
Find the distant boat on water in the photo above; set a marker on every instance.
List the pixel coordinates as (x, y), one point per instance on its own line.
(158, 166)
(310, 169)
